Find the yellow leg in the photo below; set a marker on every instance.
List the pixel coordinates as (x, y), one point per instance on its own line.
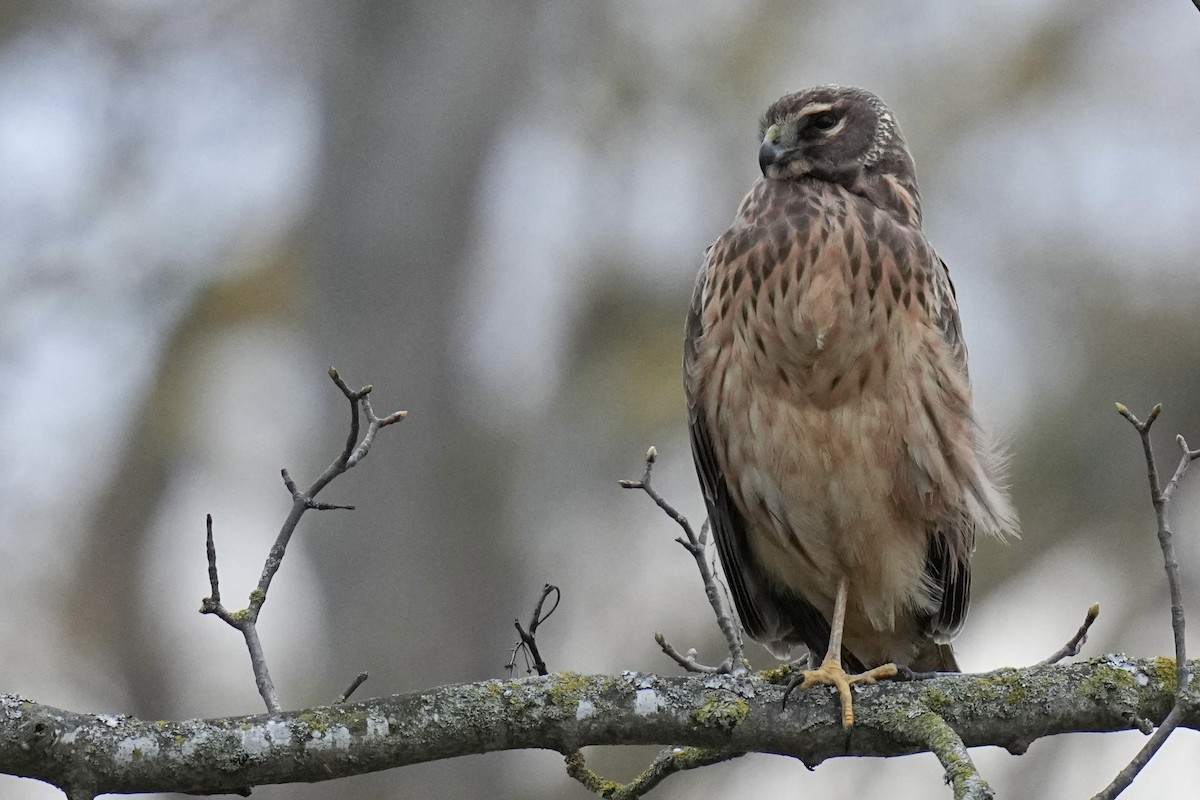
(830, 673)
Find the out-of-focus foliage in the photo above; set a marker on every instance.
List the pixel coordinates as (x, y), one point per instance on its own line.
(494, 213)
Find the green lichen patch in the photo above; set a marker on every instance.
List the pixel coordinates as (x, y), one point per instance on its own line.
(352, 718)
(1164, 670)
(721, 710)
(1107, 683)
(578, 769)
(937, 700)
(781, 674)
(690, 757)
(1007, 683)
(315, 720)
(567, 689)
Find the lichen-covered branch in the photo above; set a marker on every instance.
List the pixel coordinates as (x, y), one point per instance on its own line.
(932, 731)
(666, 764)
(88, 753)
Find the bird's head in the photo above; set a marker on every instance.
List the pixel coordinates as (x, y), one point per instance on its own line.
(833, 133)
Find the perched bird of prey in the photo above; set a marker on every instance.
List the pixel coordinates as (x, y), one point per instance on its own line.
(845, 476)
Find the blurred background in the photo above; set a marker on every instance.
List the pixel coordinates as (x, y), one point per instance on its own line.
(494, 213)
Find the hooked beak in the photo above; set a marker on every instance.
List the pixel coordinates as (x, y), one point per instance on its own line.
(768, 154)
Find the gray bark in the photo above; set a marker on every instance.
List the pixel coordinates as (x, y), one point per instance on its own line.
(88, 754)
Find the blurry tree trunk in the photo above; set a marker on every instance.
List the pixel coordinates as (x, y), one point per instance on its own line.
(413, 603)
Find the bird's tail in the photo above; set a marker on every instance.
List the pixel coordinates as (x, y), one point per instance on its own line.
(935, 657)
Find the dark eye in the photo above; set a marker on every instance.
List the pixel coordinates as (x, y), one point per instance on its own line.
(824, 121)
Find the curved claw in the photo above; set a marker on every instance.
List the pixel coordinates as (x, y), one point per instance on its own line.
(832, 674)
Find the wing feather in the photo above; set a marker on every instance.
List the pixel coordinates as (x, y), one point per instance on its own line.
(945, 312)
(947, 568)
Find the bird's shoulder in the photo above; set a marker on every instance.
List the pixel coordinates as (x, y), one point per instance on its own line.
(787, 233)
(774, 221)
(801, 218)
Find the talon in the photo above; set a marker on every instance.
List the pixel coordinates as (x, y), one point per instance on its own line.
(830, 673)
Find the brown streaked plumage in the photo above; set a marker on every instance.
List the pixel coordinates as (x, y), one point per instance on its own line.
(829, 402)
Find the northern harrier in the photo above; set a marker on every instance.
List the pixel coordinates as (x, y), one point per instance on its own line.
(845, 476)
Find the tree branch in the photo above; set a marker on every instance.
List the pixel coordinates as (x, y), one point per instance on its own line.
(932, 731)
(666, 764)
(564, 711)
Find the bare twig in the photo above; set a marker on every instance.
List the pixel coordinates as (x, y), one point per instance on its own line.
(528, 643)
(1075, 643)
(213, 583)
(349, 457)
(290, 485)
(246, 620)
(688, 661)
(697, 545)
(1161, 500)
(674, 759)
(258, 662)
(358, 681)
(1149, 749)
(667, 763)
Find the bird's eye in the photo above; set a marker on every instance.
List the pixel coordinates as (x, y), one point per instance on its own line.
(824, 121)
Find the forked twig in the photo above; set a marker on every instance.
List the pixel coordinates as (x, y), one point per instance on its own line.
(672, 759)
(246, 620)
(1161, 499)
(697, 545)
(528, 643)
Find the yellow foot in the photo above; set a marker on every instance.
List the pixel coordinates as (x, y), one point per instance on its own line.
(831, 674)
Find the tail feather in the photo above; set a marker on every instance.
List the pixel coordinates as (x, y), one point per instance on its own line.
(935, 657)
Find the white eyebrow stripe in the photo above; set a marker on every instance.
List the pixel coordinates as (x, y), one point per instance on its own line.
(815, 108)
